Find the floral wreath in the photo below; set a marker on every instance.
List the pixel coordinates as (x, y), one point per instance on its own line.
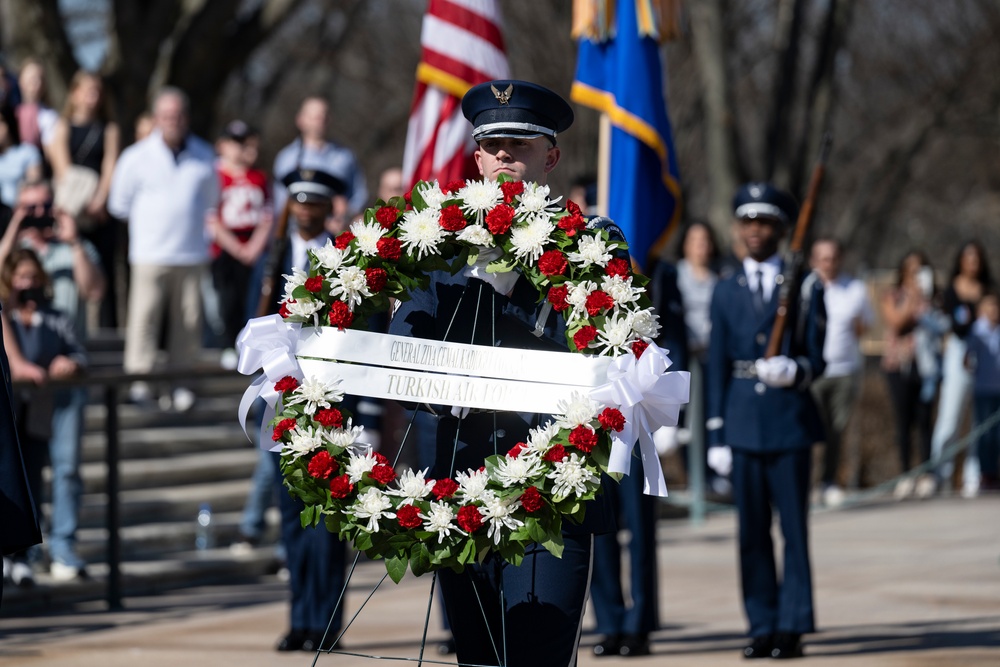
(518, 497)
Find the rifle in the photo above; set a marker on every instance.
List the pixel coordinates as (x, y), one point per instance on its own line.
(789, 290)
(272, 266)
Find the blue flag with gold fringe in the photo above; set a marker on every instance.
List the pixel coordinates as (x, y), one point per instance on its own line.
(619, 73)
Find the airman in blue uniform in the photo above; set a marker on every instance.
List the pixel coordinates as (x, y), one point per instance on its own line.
(761, 411)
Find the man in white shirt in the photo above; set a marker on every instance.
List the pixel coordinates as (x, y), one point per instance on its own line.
(164, 185)
(848, 315)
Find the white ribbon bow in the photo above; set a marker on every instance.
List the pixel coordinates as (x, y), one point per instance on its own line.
(649, 397)
(268, 344)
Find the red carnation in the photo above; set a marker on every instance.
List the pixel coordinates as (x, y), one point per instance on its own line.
(611, 419)
(314, 284)
(638, 347)
(499, 219)
(511, 189)
(330, 417)
(376, 279)
(598, 301)
(469, 518)
(452, 218)
(555, 454)
(583, 438)
(380, 458)
(344, 240)
(283, 427)
(584, 336)
(571, 224)
(383, 474)
(287, 383)
(340, 315)
(516, 450)
(557, 297)
(552, 263)
(389, 248)
(323, 465)
(341, 486)
(444, 488)
(573, 207)
(617, 267)
(531, 500)
(408, 516)
(408, 198)
(452, 186)
(283, 309)
(386, 215)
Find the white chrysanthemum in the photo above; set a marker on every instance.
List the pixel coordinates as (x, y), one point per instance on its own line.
(498, 514)
(476, 235)
(616, 334)
(420, 232)
(303, 307)
(433, 196)
(511, 471)
(529, 240)
(412, 486)
(367, 235)
(579, 410)
(358, 463)
(571, 477)
(303, 441)
(330, 257)
(350, 285)
(315, 393)
(296, 279)
(621, 290)
(591, 250)
(645, 323)
(540, 437)
(345, 437)
(372, 505)
(478, 197)
(439, 520)
(472, 485)
(576, 297)
(534, 199)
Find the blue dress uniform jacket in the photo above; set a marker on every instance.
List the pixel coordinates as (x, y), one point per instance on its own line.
(544, 592)
(771, 431)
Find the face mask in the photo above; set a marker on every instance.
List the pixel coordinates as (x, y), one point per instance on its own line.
(925, 280)
(34, 295)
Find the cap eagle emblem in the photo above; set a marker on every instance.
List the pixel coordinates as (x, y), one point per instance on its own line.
(502, 97)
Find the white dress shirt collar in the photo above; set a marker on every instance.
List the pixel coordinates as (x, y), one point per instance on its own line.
(769, 269)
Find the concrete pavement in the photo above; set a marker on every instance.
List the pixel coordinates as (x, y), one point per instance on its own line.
(913, 584)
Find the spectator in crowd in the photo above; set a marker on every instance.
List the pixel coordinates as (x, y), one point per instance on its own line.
(164, 185)
(144, 126)
(10, 95)
(18, 161)
(45, 337)
(86, 140)
(970, 279)
(390, 184)
(35, 118)
(240, 228)
(762, 420)
(984, 358)
(312, 150)
(848, 315)
(75, 279)
(909, 363)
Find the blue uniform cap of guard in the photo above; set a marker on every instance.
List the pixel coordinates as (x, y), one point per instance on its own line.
(312, 185)
(508, 108)
(763, 201)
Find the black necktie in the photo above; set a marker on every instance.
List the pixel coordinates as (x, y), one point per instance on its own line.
(758, 292)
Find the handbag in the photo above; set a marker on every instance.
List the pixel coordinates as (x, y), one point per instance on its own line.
(78, 184)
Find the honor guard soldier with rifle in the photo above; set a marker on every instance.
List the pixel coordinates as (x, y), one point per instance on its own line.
(501, 614)
(766, 347)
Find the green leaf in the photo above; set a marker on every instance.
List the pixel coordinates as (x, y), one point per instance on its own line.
(363, 542)
(396, 567)
(554, 545)
(420, 559)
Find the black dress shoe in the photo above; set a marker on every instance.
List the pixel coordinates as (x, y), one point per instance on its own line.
(314, 641)
(759, 647)
(634, 645)
(610, 645)
(293, 641)
(447, 647)
(786, 646)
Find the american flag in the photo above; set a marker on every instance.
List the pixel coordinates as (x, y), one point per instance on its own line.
(461, 45)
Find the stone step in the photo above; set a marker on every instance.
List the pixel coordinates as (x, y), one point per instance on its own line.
(167, 441)
(194, 468)
(221, 407)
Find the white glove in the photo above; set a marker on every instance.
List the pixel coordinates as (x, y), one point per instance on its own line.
(458, 412)
(665, 439)
(720, 459)
(503, 283)
(777, 371)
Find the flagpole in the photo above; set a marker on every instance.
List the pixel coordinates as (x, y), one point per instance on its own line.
(603, 164)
